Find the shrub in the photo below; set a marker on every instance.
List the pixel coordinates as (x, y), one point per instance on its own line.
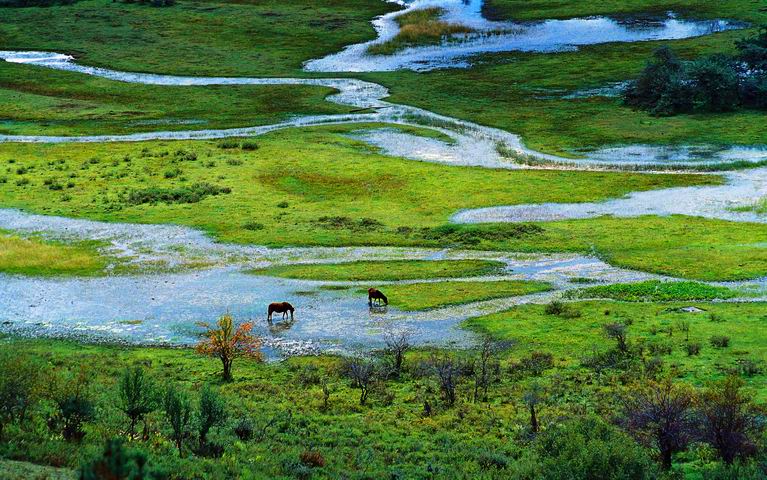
(720, 341)
(178, 411)
(190, 194)
(312, 458)
(253, 226)
(233, 162)
(74, 406)
(19, 377)
(211, 413)
(136, 396)
(693, 349)
(249, 146)
(185, 156)
(228, 144)
(496, 460)
(585, 449)
(117, 463)
(535, 364)
(244, 429)
(172, 173)
(749, 367)
(283, 205)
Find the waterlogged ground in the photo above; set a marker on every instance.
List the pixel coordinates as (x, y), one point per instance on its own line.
(197, 279)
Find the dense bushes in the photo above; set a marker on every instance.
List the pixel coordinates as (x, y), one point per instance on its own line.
(716, 83)
(192, 194)
(34, 3)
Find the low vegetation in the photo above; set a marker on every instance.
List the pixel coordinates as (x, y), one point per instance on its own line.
(419, 27)
(656, 291)
(558, 398)
(389, 270)
(422, 296)
(32, 256)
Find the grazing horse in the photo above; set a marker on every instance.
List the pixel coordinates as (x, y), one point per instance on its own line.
(377, 295)
(280, 307)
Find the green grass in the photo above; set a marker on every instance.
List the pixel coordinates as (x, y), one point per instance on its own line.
(13, 470)
(310, 187)
(389, 270)
(31, 256)
(265, 38)
(40, 101)
(309, 191)
(656, 291)
(423, 296)
(571, 339)
(543, 9)
(759, 207)
(419, 27)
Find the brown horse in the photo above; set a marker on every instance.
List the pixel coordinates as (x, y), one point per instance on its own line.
(280, 307)
(375, 294)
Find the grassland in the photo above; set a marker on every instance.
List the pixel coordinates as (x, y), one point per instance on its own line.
(418, 27)
(390, 270)
(656, 291)
(31, 256)
(571, 339)
(286, 399)
(40, 101)
(423, 296)
(542, 9)
(519, 92)
(267, 38)
(303, 187)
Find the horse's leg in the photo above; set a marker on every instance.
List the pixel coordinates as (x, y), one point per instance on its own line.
(291, 314)
(269, 316)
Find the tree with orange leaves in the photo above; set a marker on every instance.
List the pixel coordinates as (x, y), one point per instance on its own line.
(226, 343)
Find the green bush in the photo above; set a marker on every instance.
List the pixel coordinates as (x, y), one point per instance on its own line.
(585, 448)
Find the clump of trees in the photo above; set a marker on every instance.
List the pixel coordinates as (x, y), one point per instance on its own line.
(34, 3)
(716, 83)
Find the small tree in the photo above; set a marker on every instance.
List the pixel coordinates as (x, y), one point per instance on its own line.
(362, 372)
(619, 333)
(116, 463)
(178, 410)
(397, 343)
(448, 374)
(661, 415)
(74, 405)
(488, 350)
(19, 382)
(226, 343)
(532, 398)
(137, 396)
(212, 412)
(730, 420)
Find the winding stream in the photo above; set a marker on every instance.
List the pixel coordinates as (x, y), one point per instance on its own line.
(163, 307)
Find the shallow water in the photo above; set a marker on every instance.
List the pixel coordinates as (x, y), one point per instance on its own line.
(743, 188)
(164, 308)
(495, 37)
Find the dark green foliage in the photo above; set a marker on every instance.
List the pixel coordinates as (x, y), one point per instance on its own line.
(244, 429)
(153, 3)
(713, 84)
(178, 411)
(473, 235)
(693, 349)
(731, 423)
(19, 376)
(585, 449)
(192, 194)
(211, 413)
(720, 341)
(137, 396)
(661, 87)
(717, 83)
(74, 404)
(34, 3)
(117, 463)
(561, 309)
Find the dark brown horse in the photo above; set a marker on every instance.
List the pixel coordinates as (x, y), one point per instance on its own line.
(280, 307)
(377, 295)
